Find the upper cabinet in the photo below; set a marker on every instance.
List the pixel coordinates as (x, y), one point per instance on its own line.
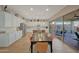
(14, 21)
(9, 20)
(2, 21)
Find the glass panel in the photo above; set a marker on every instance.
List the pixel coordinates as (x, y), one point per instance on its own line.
(56, 27)
(59, 28)
(51, 27)
(71, 32)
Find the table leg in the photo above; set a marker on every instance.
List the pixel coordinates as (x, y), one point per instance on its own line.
(51, 47)
(31, 47)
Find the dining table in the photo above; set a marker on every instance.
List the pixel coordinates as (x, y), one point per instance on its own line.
(40, 37)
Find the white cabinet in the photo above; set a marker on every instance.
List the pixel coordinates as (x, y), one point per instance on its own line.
(18, 35)
(4, 40)
(2, 21)
(17, 22)
(12, 38)
(5, 19)
(9, 23)
(9, 38)
(9, 20)
(14, 21)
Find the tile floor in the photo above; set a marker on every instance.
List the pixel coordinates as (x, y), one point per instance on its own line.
(60, 47)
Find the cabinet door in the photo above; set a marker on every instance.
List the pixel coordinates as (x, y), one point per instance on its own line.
(14, 21)
(2, 19)
(12, 38)
(4, 40)
(8, 20)
(19, 34)
(17, 22)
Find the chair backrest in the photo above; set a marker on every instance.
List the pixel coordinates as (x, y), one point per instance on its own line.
(77, 34)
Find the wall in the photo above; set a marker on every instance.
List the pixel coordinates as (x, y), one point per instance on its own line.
(37, 25)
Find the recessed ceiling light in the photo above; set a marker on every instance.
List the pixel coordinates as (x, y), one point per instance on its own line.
(47, 9)
(31, 9)
(53, 22)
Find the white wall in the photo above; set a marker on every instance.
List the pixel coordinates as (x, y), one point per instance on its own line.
(33, 25)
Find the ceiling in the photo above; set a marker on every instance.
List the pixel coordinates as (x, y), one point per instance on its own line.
(35, 11)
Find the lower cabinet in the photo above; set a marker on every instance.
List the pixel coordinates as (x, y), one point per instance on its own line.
(9, 38)
(12, 38)
(18, 35)
(4, 40)
(15, 36)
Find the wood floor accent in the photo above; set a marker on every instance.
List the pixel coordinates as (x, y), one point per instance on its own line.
(21, 45)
